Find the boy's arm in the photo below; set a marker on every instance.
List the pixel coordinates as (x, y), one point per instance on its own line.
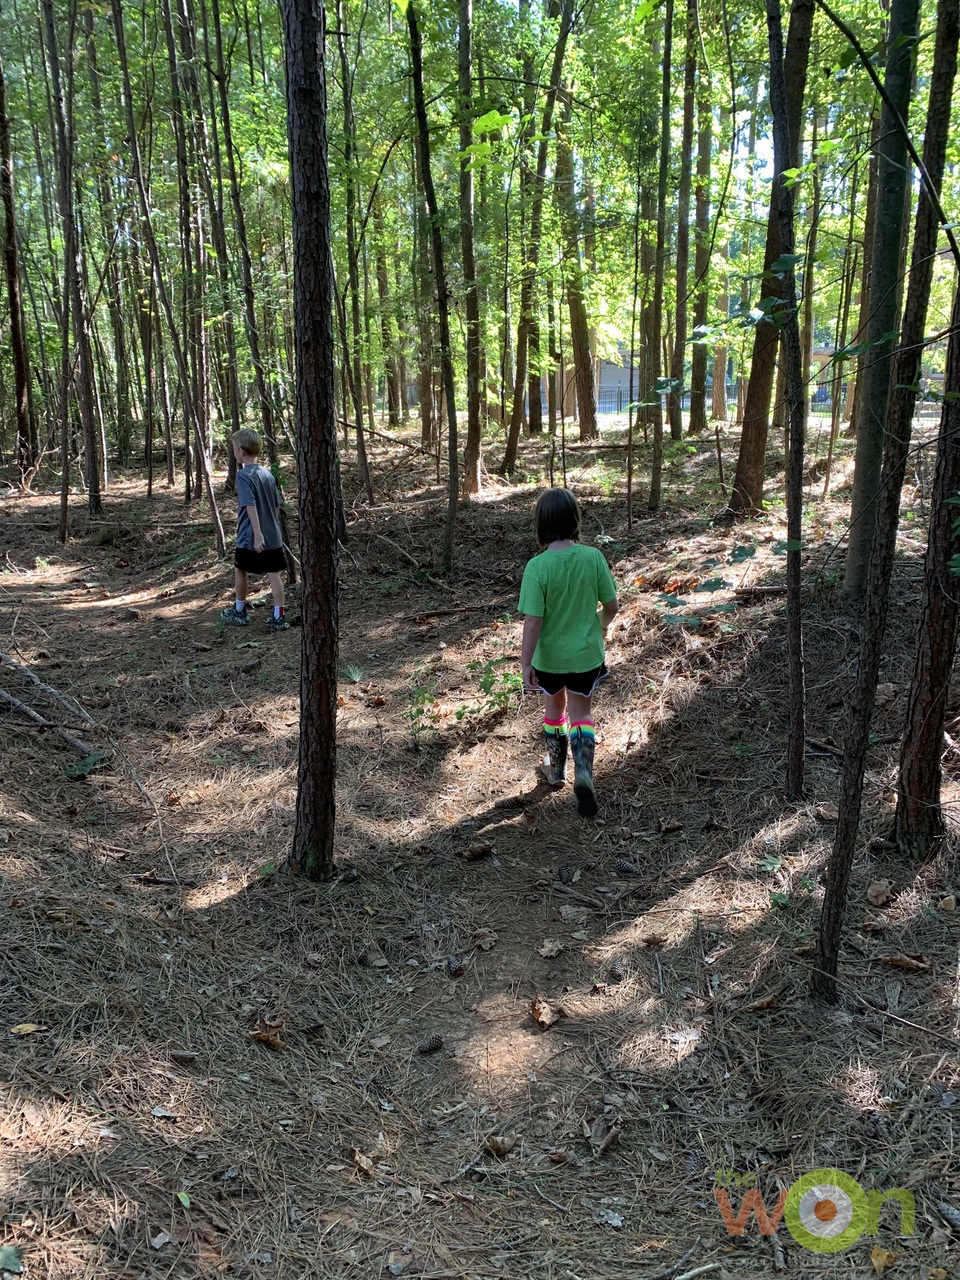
(255, 526)
(531, 634)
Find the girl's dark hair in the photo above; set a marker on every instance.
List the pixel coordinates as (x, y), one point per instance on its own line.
(557, 517)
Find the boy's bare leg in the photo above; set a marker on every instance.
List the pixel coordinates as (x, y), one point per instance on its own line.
(276, 587)
(240, 584)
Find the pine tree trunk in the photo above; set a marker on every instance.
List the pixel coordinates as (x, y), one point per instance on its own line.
(529, 274)
(443, 292)
(675, 395)
(472, 337)
(885, 253)
(313, 840)
(701, 287)
(897, 426)
(747, 492)
(579, 325)
(656, 323)
(18, 340)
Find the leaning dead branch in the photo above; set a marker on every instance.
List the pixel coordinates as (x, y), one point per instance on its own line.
(76, 743)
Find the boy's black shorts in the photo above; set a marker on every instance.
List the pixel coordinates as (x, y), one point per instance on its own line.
(582, 682)
(266, 561)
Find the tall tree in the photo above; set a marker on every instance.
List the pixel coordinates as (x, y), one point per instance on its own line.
(26, 428)
(747, 492)
(655, 333)
(471, 453)
(701, 267)
(443, 290)
(885, 254)
(897, 440)
(678, 361)
(303, 29)
(529, 274)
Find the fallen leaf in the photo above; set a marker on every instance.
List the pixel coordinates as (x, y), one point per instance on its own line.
(667, 825)
(914, 963)
(879, 893)
(544, 1014)
(549, 948)
(380, 1042)
(362, 1162)
(160, 1239)
(183, 1056)
(881, 1259)
(313, 960)
(500, 1144)
(766, 1002)
(269, 1032)
(653, 939)
(374, 957)
(485, 939)
(184, 1199)
(609, 1218)
(885, 693)
(603, 1135)
(936, 1273)
(573, 915)
(828, 812)
(27, 1029)
(949, 903)
(479, 849)
(161, 1113)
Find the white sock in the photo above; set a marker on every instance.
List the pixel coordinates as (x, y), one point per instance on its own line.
(278, 610)
(241, 605)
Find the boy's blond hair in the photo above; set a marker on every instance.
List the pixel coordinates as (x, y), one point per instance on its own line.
(248, 440)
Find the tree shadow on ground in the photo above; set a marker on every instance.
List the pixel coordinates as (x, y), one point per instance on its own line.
(685, 1026)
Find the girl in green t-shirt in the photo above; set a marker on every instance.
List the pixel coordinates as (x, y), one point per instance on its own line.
(563, 634)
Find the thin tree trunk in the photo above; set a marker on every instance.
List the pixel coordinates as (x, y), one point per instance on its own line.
(579, 325)
(793, 353)
(653, 392)
(18, 338)
(747, 492)
(701, 287)
(190, 413)
(472, 337)
(443, 294)
(896, 450)
(675, 396)
(528, 277)
(885, 291)
(319, 505)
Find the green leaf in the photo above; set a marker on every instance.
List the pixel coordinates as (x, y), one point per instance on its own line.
(667, 597)
(87, 765)
(772, 862)
(728, 606)
(713, 584)
(493, 120)
(403, 6)
(684, 618)
(781, 547)
(742, 553)
(267, 869)
(184, 1199)
(10, 1257)
(786, 262)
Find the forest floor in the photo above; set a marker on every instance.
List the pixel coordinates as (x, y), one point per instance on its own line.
(209, 1067)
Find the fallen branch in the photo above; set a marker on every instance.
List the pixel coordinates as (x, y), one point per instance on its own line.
(670, 1271)
(70, 704)
(29, 712)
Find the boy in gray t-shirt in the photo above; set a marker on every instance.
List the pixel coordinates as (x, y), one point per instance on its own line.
(259, 540)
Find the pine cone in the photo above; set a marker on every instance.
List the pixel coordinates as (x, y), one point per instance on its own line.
(454, 966)
(616, 972)
(431, 1044)
(627, 868)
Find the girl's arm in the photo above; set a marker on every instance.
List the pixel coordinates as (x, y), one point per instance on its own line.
(531, 634)
(608, 612)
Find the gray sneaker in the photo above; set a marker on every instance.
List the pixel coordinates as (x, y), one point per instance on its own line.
(231, 618)
(278, 624)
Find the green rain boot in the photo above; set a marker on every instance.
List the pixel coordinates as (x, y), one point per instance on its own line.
(554, 763)
(582, 745)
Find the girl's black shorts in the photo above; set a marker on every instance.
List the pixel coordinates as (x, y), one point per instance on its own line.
(582, 682)
(251, 561)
